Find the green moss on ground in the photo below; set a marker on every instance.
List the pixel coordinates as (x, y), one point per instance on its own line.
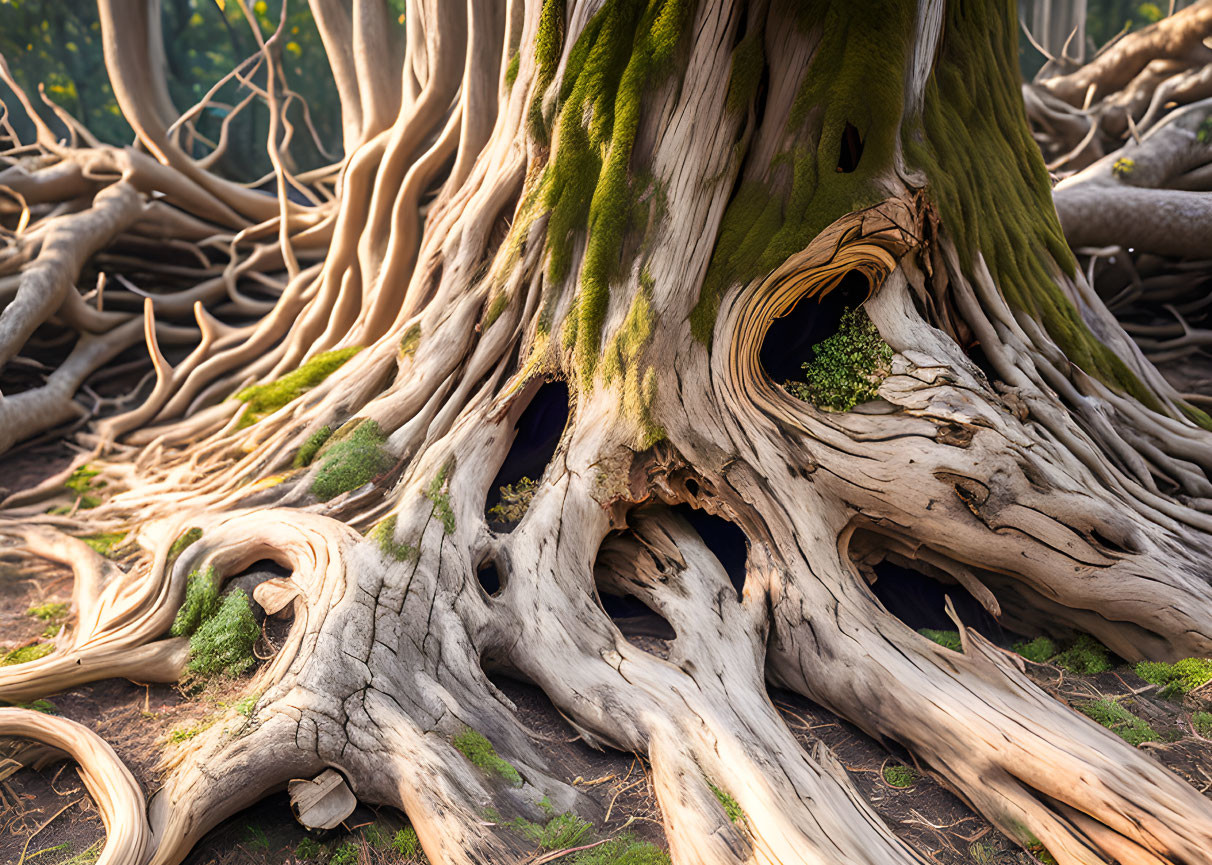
(946, 639)
(1086, 656)
(264, 399)
(1038, 651)
(730, 805)
(1119, 721)
(351, 461)
(384, 537)
(406, 843)
(1177, 679)
(1202, 722)
(480, 753)
(311, 446)
(308, 850)
(25, 654)
(515, 499)
(897, 775)
(558, 833)
(46, 707)
(622, 850)
(106, 543)
(48, 612)
(846, 368)
(438, 493)
(201, 601)
(222, 645)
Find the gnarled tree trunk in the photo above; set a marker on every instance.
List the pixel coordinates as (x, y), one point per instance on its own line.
(622, 196)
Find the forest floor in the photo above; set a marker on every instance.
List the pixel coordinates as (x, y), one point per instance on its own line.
(47, 818)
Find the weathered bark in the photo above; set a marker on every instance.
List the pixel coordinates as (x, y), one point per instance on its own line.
(624, 196)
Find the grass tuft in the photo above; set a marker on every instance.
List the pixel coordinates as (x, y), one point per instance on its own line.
(480, 753)
(1177, 679)
(308, 850)
(1202, 722)
(559, 833)
(1119, 721)
(406, 843)
(263, 399)
(847, 368)
(352, 461)
(946, 639)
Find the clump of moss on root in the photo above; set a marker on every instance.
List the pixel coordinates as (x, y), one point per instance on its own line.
(480, 753)
(352, 461)
(1177, 679)
(384, 537)
(311, 446)
(438, 493)
(264, 399)
(223, 643)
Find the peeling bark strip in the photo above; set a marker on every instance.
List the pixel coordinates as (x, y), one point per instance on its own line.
(622, 196)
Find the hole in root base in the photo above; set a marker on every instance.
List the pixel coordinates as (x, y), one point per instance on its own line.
(538, 434)
(851, 150)
(725, 540)
(790, 341)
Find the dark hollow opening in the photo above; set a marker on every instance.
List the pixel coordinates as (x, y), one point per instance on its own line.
(851, 150)
(790, 341)
(538, 434)
(725, 540)
(634, 618)
(919, 601)
(977, 355)
(490, 579)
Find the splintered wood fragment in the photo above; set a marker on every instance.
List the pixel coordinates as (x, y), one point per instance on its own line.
(323, 802)
(275, 595)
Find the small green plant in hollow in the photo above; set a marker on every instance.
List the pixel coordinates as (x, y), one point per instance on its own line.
(346, 854)
(1177, 679)
(46, 707)
(351, 462)
(480, 753)
(309, 448)
(1119, 721)
(1086, 657)
(897, 775)
(730, 805)
(263, 399)
(946, 639)
(515, 499)
(846, 368)
(222, 644)
(1037, 651)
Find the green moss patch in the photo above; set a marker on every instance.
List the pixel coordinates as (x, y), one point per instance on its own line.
(846, 368)
(384, 537)
(106, 543)
(622, 850)
(1119, 721)
(559, 833)
(480, 753)
(48, 612)
(183, 542)
(946, 639)
(730, 805)
(896, 775)
(352, 461)
(1202, 722)
(406, 843)
(1086, 656)
(25, 654)
(201, 601)
(222, 645)
(1038, 651)
(264, 399)
(1177, 679)
(82, 481)
(311, 446)
(438, 493)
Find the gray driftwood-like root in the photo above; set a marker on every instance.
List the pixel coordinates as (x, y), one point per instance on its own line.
(1057, 499)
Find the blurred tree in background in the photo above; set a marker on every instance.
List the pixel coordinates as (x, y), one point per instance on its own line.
(58, 45)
